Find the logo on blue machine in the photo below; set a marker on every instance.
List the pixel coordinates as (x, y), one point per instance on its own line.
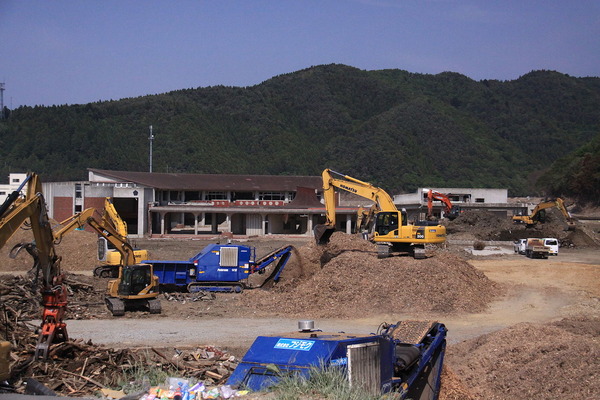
(294, 344)
(339, 361)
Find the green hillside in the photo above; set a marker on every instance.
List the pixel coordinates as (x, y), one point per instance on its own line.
(395, 129)
(576, 175)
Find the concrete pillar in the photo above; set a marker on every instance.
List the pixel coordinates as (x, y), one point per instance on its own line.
(309, 225)
(228, 222)
(214, 226)
(195, 223)
(162, 223)
(348, 224)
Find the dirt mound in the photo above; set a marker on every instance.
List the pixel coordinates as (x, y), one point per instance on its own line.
(511, 363)
(78, 249)
(345, 278)
(485, 225)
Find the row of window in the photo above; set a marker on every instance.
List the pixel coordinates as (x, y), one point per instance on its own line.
(232, 196)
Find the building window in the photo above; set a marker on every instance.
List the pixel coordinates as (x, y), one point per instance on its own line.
(271, 196)
(243, 196)
(78, 191)
(78, 208)
(479, 200)
(2, 193)
(216, 196)
(16, 180)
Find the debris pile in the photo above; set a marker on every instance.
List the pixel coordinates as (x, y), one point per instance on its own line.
(78, 368)
(345, 278)
(20, 295)
(511, 363)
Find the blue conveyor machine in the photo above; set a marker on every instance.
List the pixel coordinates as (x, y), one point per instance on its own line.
(405, 357)
(221, 267)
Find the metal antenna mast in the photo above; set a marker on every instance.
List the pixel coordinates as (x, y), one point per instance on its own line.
(151, 138)
(1, 100)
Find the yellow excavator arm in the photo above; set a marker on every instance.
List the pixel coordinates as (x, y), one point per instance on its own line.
(103, 226)
(13, 213)
(392, 229)
(538, 213)
(120, 291)
(363, 189)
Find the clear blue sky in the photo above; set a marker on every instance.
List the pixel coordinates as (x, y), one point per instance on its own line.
(80, 51)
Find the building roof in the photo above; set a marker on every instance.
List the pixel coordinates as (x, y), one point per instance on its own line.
(212, 182)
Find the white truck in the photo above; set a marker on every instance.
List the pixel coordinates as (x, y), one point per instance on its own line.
(552, 244)
(519, 246)
(535, 248)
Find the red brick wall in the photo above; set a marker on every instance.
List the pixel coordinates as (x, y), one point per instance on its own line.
(63, 208)
(96, 202)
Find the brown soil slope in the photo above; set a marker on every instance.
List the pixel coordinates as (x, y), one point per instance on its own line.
(78, 250)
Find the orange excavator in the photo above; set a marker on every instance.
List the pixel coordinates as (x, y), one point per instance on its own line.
(14, 212)
(451, 212)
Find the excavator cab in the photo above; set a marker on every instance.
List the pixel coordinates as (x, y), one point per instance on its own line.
(387, 222)
(135, 288)
(135, 279)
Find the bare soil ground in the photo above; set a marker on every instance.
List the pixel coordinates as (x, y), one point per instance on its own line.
(518, 328)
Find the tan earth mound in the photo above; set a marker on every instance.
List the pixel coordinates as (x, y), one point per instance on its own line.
(78, 249)
(346, 279)
(559, 360)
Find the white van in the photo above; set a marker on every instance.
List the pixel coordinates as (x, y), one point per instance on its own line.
(552, 244)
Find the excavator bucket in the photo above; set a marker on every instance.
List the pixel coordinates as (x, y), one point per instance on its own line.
(323, 233)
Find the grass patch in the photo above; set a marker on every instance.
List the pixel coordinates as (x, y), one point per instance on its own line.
(321, 383)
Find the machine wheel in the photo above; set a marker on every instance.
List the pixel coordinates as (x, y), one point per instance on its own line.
(238, 289)
(383, 251)
(98, 272)
(115, 306)
(154, 306)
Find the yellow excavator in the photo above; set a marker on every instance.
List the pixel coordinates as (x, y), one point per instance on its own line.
(112, 258)
(539, 214)
(136, 286)
(392, 231)
(14, 212)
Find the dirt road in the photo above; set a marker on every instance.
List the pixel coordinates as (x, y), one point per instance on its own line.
(536, 291)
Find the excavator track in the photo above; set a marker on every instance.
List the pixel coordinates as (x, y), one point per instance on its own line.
(115, 306)
(154, 306)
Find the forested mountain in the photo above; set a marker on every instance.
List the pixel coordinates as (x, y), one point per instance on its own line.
(395, 129)
(576, 175)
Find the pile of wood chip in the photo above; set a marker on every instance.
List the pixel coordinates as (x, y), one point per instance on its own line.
(345, 279)
(558, 360)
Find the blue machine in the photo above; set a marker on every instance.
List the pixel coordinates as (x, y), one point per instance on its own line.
(220, 267)
(379, 363)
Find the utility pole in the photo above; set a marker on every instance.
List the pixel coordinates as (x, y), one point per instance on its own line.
(151, 138)
(1, 100)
